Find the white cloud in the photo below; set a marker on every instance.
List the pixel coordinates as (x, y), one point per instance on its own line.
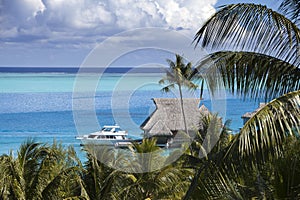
(91, 20)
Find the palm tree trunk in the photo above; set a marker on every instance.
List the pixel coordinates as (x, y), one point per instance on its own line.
(194, 183)
(182, 109)
(201, 90)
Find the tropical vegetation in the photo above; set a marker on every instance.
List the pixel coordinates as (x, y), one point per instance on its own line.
(255, 55)
(180, 75)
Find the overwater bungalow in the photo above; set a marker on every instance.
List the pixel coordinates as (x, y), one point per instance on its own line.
(248, 115)
(167, 120)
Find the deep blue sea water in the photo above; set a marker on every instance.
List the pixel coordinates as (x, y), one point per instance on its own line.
(39, 105)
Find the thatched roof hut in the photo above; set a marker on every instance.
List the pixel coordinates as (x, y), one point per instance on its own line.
(167, 119)
(248, 115)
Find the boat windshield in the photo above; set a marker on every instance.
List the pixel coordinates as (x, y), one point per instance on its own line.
(107, 129)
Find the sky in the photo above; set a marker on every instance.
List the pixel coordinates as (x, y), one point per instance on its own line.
(63, 33)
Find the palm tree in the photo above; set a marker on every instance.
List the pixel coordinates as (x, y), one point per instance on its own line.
(210, 179)
(40, 172)
(180, 75)
(101, 175)
(271, 70)
(259, 59)
(169, 182)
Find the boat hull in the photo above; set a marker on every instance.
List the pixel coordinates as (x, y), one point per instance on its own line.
(103, 142)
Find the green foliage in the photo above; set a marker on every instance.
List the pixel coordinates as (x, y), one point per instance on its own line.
(259, 59)
(39, 172)
(104, 182)
(286, 171)
(252, 28)
(249, 74)
(263, 134)
(58, 175)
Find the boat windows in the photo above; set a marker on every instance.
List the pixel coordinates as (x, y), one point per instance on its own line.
(110, 137)
(107, 129)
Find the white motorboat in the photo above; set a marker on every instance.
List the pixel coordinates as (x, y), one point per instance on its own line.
(109, 135)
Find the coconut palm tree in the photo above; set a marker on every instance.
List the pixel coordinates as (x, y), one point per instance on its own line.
(169, 182)
(181, 75)
(210, 179)
(255, 52)
(101, 177)
(271, 70)
(40, 172)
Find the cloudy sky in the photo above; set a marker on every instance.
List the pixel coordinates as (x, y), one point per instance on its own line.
(63, 32)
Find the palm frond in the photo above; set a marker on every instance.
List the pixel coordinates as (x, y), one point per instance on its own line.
(291, 9)
(190, 85)
(161, 81)
(254, 28)
(170, 77)
(216, 183)
(180, 74)
(13, 182)
(52, 189)
(171, 63)
(251, 75)
(211, 181)
(168, 88)
(263, 134)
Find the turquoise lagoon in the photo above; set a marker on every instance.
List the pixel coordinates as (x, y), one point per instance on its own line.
(39, 105)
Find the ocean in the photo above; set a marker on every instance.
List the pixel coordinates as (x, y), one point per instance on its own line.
(39, 104)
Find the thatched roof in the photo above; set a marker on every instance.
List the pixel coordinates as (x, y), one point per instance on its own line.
(248, 115)
(204, 110)
(168, 118)
(160, 128)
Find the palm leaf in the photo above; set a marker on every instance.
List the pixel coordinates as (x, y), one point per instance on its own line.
(291, 8)
(51, 191)
(168, 88)
(250, 27)
(216, 184)
(263, 134)
(13, 184)
(251, 75)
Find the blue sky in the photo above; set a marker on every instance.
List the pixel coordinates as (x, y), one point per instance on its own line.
(63, 32)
